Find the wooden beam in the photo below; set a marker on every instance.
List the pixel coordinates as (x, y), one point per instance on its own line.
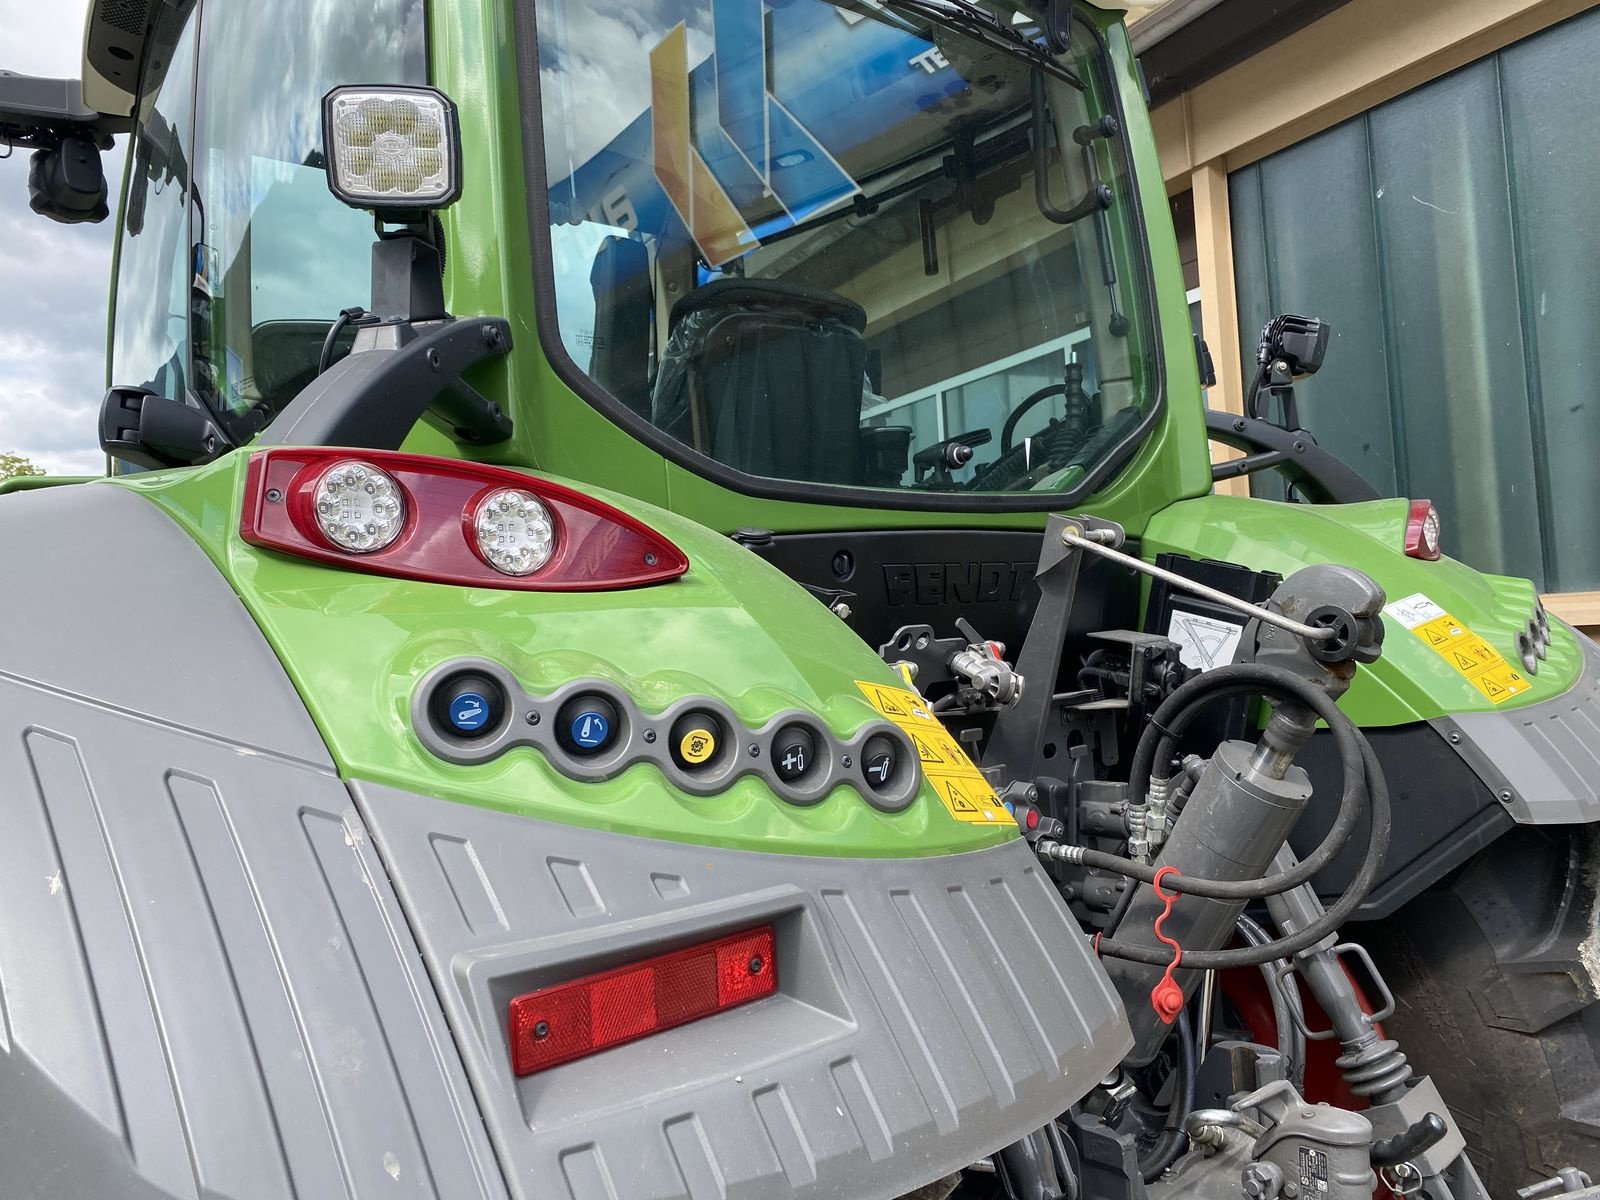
(1576, 608)
(1356, 57)
(1219, 302)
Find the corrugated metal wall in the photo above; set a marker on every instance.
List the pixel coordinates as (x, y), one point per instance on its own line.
(1452, 237)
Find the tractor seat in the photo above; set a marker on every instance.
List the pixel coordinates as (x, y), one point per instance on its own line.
(767, 377)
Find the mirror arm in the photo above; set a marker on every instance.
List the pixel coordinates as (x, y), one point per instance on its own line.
(1248, 465)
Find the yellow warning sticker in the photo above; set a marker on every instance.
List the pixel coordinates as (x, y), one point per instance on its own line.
(1500, 683)
(959, 783)
(1464, 650)
(959, 797)
(1441, 631)
(897, 704)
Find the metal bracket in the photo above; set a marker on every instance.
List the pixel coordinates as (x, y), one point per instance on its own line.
(1017, 741)
(397, 374)
(1355, 950)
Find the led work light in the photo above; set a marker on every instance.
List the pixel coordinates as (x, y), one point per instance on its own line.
(393, 149)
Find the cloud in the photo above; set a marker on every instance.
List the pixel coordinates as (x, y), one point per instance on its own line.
(54, 279)
(594, 75)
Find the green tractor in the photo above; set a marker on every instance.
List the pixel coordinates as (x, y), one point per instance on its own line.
(690, 650)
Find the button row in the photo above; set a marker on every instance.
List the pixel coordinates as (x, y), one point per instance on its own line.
(474, 710)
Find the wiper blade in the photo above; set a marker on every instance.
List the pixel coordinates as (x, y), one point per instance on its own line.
(982, 26)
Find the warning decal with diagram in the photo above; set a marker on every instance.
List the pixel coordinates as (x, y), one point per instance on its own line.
(1464, 650)
(962, 787)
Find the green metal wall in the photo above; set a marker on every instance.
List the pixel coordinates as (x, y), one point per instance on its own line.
(1452, 236)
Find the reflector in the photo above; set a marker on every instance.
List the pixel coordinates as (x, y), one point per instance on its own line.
(1423, 531)
(558, 1024)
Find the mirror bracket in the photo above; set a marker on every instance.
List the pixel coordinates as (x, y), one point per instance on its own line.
(145, 428)
(396, 374)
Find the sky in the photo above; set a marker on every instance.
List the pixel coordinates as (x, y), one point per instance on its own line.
(54, 279)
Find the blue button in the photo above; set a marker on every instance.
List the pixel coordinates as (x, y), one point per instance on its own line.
(591, 729)
(469, 712)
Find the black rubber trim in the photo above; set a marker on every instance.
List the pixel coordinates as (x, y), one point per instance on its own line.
(639, 428)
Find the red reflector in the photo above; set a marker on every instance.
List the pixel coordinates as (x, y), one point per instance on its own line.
(571, 1020)
(1423, 531)
(595, 546)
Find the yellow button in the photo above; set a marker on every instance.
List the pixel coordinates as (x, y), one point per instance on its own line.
(697, 746)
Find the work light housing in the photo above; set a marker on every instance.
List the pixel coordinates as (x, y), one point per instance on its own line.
(394, 150)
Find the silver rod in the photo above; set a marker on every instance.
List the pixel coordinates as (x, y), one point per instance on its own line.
(1208, 992)
(1312, 633)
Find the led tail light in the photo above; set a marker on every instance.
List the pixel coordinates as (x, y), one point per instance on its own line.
(358, 508)
(1422, 531)
(445, 521)
(572, 1020)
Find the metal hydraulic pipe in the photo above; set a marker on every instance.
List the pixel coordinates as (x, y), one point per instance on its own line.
(1075, 535)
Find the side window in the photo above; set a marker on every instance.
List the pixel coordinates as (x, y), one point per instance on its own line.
(279, 256)
(155, 263)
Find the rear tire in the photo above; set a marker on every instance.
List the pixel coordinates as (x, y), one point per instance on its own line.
(1494, 1000)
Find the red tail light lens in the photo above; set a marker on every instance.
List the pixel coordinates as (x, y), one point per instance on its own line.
(458, 522)
(1422, 531)
(572, 1020)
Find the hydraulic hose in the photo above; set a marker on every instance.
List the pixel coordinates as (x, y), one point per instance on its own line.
(1174, 716)
(1172, 1141)
(1364, 788)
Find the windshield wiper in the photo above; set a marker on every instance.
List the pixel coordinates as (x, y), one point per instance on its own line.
(982, 26)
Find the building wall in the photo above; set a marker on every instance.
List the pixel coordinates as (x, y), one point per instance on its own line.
(1418, 174)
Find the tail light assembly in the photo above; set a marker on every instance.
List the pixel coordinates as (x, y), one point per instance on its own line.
(440, 520)
(1423, 531)
(569, 1021)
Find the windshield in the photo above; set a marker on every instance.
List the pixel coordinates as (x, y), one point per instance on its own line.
(808, 240)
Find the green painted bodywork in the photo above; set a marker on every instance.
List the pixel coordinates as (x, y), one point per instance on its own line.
(29, 483)
(733, 628)
(1410, 682)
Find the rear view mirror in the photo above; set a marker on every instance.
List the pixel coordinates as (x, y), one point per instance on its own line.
(153, 431)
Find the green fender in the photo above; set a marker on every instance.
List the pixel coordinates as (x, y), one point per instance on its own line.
(1411, 682)
(733, 628)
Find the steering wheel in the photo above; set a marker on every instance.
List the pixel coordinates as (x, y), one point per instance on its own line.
(1009, 429)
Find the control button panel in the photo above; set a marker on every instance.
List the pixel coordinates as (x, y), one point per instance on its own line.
(475, 710)
(695, 740)
(794, 753)
(469, 712)
(879, 760)
(587, 725)
(468, 704)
